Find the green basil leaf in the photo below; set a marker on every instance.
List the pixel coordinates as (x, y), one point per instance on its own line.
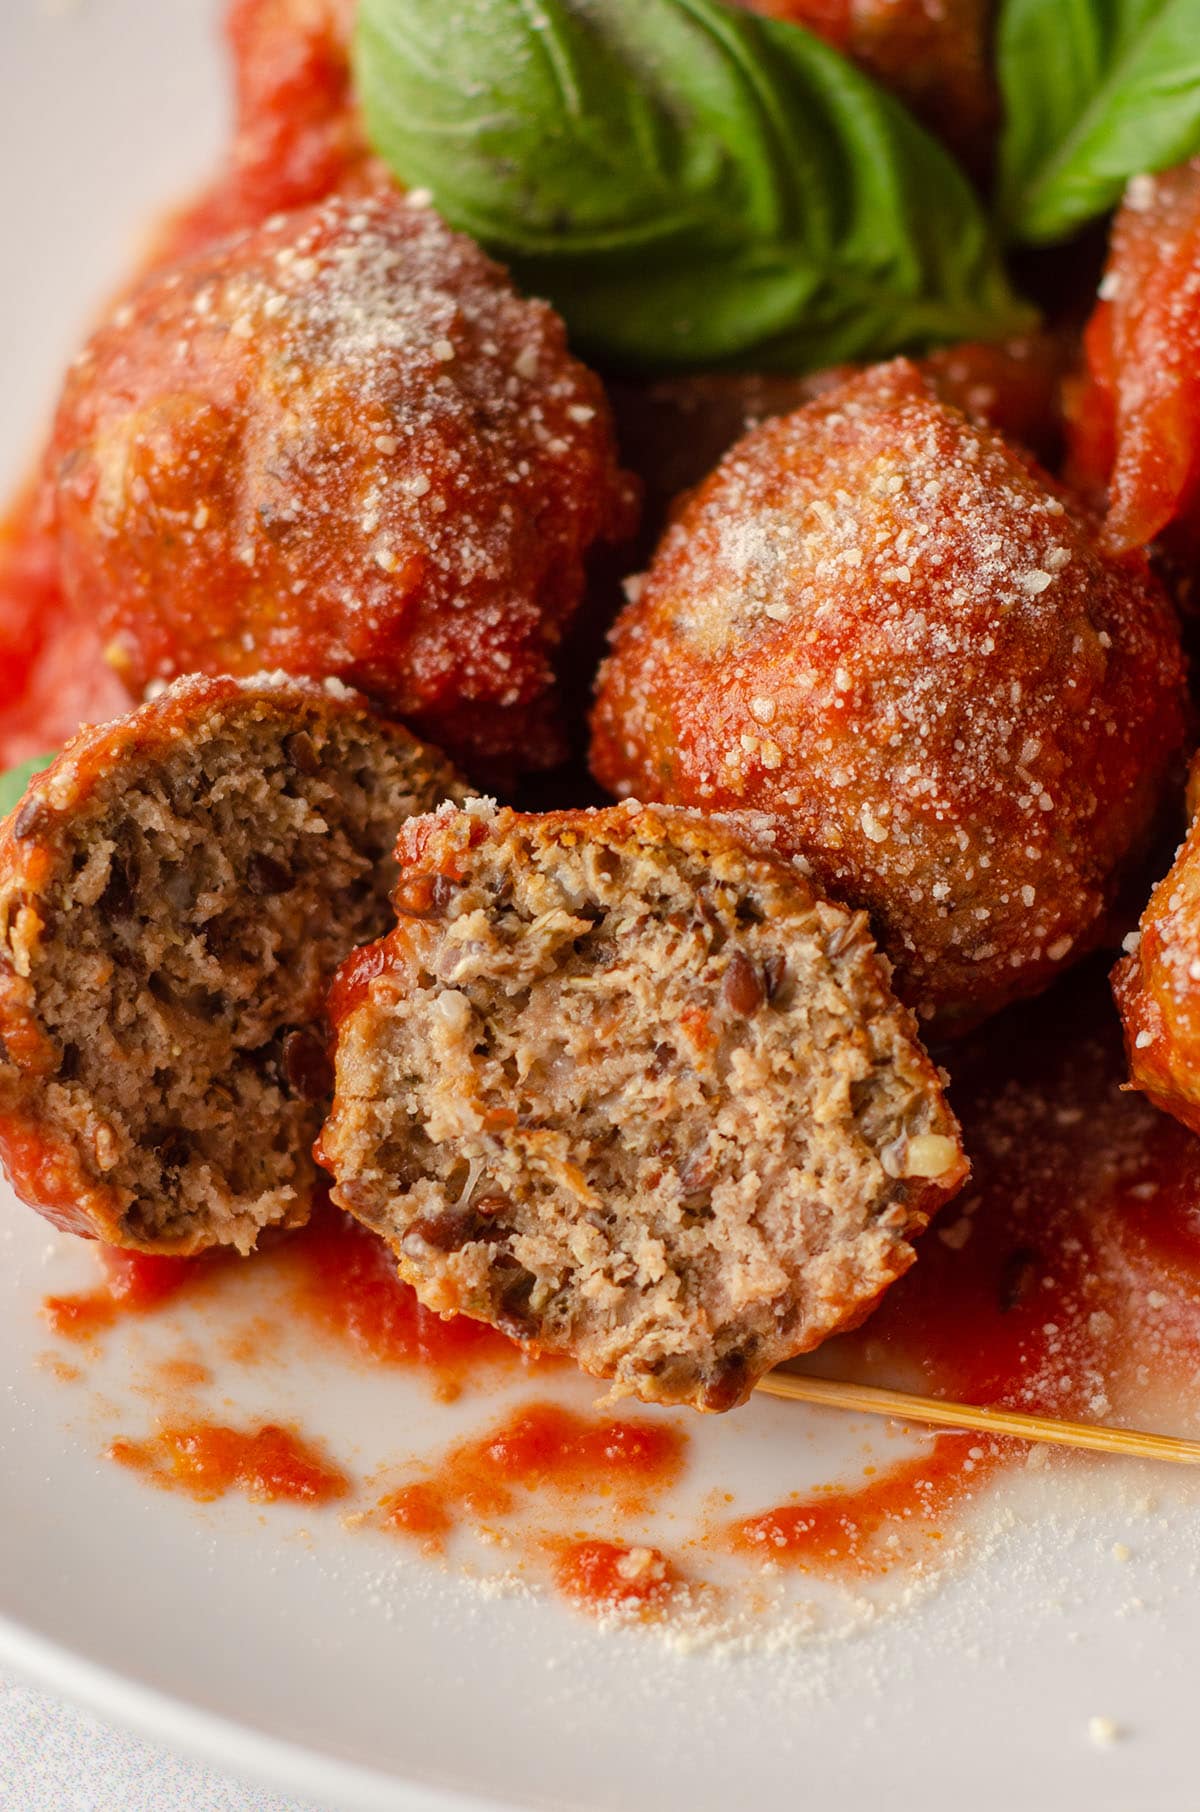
(14, 782)
(1095, 91)
(689, 184)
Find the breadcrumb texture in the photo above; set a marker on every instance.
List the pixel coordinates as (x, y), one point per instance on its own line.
(175, 893)
(879, 623)
(935, 55)
(341, 444)
(1157, 985)
(673, 430)
(628, 1088)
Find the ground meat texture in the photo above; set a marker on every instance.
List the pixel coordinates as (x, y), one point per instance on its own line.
(633, 1092)
(175, 894)
(1157, 985)
(883, 626)
(342, 445)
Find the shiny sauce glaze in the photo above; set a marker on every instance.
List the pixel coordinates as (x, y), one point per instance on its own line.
(132, 1283)
(605, 1576)
(1065, 1279)
(342, 1280)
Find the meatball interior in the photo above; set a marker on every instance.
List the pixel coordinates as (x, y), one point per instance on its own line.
(632, 1093)
(175, 896)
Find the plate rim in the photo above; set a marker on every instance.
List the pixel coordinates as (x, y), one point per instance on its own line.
(216, 1741)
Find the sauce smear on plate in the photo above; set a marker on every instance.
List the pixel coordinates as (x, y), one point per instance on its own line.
(268, 1464)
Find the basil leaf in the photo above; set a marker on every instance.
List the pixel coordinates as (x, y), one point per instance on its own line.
(689, 184)
(15, 782)
(1095, 91)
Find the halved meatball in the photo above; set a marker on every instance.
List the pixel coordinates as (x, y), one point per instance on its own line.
(175, 893)
(629, 1089)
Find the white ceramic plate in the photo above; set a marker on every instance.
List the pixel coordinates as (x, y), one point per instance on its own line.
(334, 1664)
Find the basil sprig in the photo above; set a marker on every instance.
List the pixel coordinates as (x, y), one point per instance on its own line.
(691, 185)
(14, 782)
(1095, 91)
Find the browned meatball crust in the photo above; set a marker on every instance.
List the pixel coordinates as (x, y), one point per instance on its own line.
(628, 1088)
(175, 893)
(341, 444)
(882, 625)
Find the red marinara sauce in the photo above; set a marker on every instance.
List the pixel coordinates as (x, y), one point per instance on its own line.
(53, 675)
(889, 1521)
(134, 1283)
(297, 138)
(343, 1281)
(340, 1278)
(269, 1464)
(604, 1576)
(539, 1449)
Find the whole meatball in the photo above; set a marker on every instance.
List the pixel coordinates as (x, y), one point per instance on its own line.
(1136, 414)
(1157, 985)
(341, 445)
(879, 623)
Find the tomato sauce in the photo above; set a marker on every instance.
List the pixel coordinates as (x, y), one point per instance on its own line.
(606, 1576)
(134, 1283)
(1070, 1260)
(338, 1277)
(343, 1281)
(1065, 1279)
(545, 1450)
(889, 1521)
(206, 1460)
(53, 675)
(297, 138)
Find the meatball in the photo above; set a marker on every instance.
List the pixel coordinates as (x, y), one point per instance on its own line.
(880, 624)
(625, 1086)
(175, 893)
(1157, 986)
(934, 55)
(341, 445)
(673, 430)
(1136, 418)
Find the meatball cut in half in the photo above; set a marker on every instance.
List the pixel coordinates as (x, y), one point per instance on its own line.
(633, 1092)
(175, 893)
(881, 624)
(1157, 985)
(341, 444)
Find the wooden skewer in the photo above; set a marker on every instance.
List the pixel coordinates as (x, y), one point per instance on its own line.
(874, 1401)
